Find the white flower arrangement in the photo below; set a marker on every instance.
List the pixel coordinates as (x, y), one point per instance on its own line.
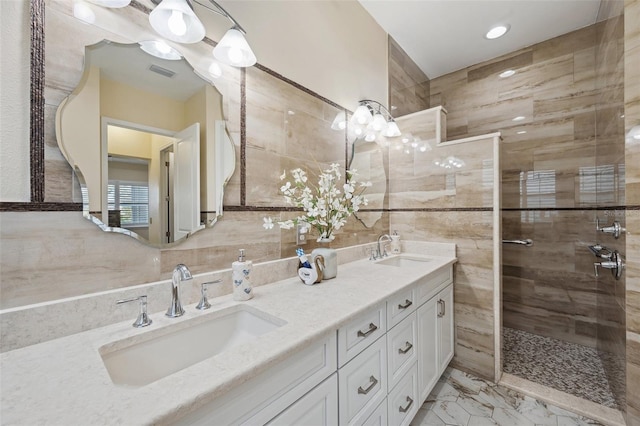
(327, 206)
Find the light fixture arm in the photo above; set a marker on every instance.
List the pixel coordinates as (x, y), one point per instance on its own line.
(221, 11)
(375, 106)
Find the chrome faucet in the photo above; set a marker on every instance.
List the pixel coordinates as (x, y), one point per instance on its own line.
(381, 251)
(180, 273)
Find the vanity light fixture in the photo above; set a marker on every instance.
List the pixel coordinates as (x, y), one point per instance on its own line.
(368, 121)
(340, 122)
(497, 31)
(177, 21)
(507, 73)
(160, 49)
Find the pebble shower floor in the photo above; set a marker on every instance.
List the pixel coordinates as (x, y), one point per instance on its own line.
(567, 367)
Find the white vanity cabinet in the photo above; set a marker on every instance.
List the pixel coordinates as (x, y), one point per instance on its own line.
(398, 365)
(436, 339)
(377, 369)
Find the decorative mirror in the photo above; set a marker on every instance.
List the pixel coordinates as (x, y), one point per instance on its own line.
(147, 139)
(367, 159)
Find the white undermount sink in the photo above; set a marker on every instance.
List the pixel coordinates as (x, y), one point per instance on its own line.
(404, 261)
(165, 351)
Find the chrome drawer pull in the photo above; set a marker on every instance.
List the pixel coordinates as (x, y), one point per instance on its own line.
(405, 409)
(406, 349)
(372, 328)
(407, 303)
(373, 381)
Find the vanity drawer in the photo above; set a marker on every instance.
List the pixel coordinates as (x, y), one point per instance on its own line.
(362, 384)
(399, 306)
(402, 349)
(431, 285)
(378, 417)
(403, 399)
(319, 407)
(354, 337)
(261, 398)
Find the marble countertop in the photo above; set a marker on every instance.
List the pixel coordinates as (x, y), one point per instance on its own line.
(64, 381)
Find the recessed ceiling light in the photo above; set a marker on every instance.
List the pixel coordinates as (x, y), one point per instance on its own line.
(497, 31)
(507, 73)
(518, 118)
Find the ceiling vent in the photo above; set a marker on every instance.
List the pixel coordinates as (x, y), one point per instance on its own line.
(162, 71)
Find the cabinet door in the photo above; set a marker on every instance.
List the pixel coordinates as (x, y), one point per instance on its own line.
(445, 328)
(427, 348)
(319, 407)
(362, 383)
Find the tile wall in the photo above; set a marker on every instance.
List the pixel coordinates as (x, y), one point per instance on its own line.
(632, 188)
(432, 203)
(548, 174)
(408, 85)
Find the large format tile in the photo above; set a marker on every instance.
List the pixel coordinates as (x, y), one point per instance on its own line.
(477, 402)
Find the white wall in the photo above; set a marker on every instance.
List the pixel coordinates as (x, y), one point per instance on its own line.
(14, 100)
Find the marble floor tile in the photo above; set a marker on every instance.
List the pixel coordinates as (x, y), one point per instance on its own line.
(561, 365)
(460, 399)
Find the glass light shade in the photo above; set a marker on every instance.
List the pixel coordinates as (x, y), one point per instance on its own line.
(340, 122)
(406, 138)
(83, 12)
(362, 115)
(379, 123)
(111, 3)
(169, 17)
(370, 136)
(234, 50)
(392, 130)
(160, 49)
(215, 70)
(358, 131)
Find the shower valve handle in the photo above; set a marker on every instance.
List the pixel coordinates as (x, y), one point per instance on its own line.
(614, 229)
(616, 265)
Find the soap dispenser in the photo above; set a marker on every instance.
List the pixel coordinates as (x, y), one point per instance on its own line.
(241, 277)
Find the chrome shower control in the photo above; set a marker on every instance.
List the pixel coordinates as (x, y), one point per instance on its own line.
(614, 229)
(616, 264)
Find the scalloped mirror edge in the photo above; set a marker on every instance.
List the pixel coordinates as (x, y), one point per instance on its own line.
(367, 158)
(85, 115)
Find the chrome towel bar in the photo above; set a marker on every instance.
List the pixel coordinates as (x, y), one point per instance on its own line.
(528, 242)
